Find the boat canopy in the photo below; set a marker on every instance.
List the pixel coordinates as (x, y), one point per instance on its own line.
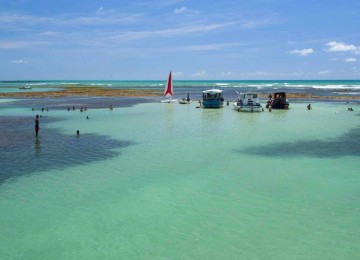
(212, 91)
(249, 95)
(280, 95)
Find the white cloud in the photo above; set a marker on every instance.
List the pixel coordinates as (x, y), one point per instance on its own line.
(133, 35)
(335, 46)
(324, 72)
(19, 61)
(226, 73)
(177, 73)
(303, 52)
(200, 73)
(207, 47)
(50, 33)
(180, 10)
(9, 45)
(351, 60)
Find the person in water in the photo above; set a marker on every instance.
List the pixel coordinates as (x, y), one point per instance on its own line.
(309, 107)
(37, 127)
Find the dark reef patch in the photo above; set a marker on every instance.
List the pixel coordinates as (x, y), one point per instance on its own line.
(345, 145)
(22, 153)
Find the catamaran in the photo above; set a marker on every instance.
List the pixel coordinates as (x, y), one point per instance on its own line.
(169, 91)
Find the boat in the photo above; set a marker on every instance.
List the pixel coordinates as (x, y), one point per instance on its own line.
(25, 87)
(213, 98)
(185, 100)
(248, 102)
(169, 91)
(278, 101)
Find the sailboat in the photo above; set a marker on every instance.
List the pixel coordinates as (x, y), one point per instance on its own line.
(169, 91)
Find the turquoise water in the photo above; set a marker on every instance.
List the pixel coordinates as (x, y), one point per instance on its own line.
(169, 181)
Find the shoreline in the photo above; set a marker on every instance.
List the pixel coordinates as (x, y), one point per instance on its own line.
(107, 92)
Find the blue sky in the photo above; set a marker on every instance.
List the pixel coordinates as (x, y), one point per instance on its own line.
(228, 39)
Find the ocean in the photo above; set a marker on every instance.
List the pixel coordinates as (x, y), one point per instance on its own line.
(167, 181)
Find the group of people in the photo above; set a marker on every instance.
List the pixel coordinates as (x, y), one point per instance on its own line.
(82, 109)
(37, 122)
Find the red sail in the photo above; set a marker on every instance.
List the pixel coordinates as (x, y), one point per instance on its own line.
(169, 87)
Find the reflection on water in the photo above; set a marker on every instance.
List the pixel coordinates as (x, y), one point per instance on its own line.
(37, 146)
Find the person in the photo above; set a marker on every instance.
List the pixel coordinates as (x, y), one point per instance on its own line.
(78, 133)
(309, 107)
(87, 117)
(111, 107)
(37, 127)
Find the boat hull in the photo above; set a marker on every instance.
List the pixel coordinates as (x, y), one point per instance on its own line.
(213, 103)
(247, 108)
(169, 101)
(184, 102)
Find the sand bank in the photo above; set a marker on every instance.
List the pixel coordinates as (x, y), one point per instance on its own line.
(84, 92)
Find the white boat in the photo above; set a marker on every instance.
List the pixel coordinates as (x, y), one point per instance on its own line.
(169, 91)
(248, 102)
(213, 98)
(185, 100)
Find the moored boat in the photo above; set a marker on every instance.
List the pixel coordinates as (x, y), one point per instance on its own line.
(185, 100)
(213, 98)
(278, 101)
(248, 102)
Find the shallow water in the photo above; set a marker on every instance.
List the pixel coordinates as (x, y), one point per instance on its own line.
(172, 181)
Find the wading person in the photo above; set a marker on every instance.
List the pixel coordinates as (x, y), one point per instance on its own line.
(37, 125)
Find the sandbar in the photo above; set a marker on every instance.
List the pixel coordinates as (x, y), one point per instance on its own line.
(85, 91)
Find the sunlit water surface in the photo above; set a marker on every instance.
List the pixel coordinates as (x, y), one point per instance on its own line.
(169, 181)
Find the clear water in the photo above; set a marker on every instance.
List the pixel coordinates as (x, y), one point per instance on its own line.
(169, 181)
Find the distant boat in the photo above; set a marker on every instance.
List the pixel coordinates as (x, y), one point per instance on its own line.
(25, 87)
(169, 91)
(248, 102)
(278, 101)
(213, 98)
(185, 100)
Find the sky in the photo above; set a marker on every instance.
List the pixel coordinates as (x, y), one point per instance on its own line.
(196, 40)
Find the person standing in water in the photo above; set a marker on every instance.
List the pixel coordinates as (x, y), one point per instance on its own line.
(37, 127)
